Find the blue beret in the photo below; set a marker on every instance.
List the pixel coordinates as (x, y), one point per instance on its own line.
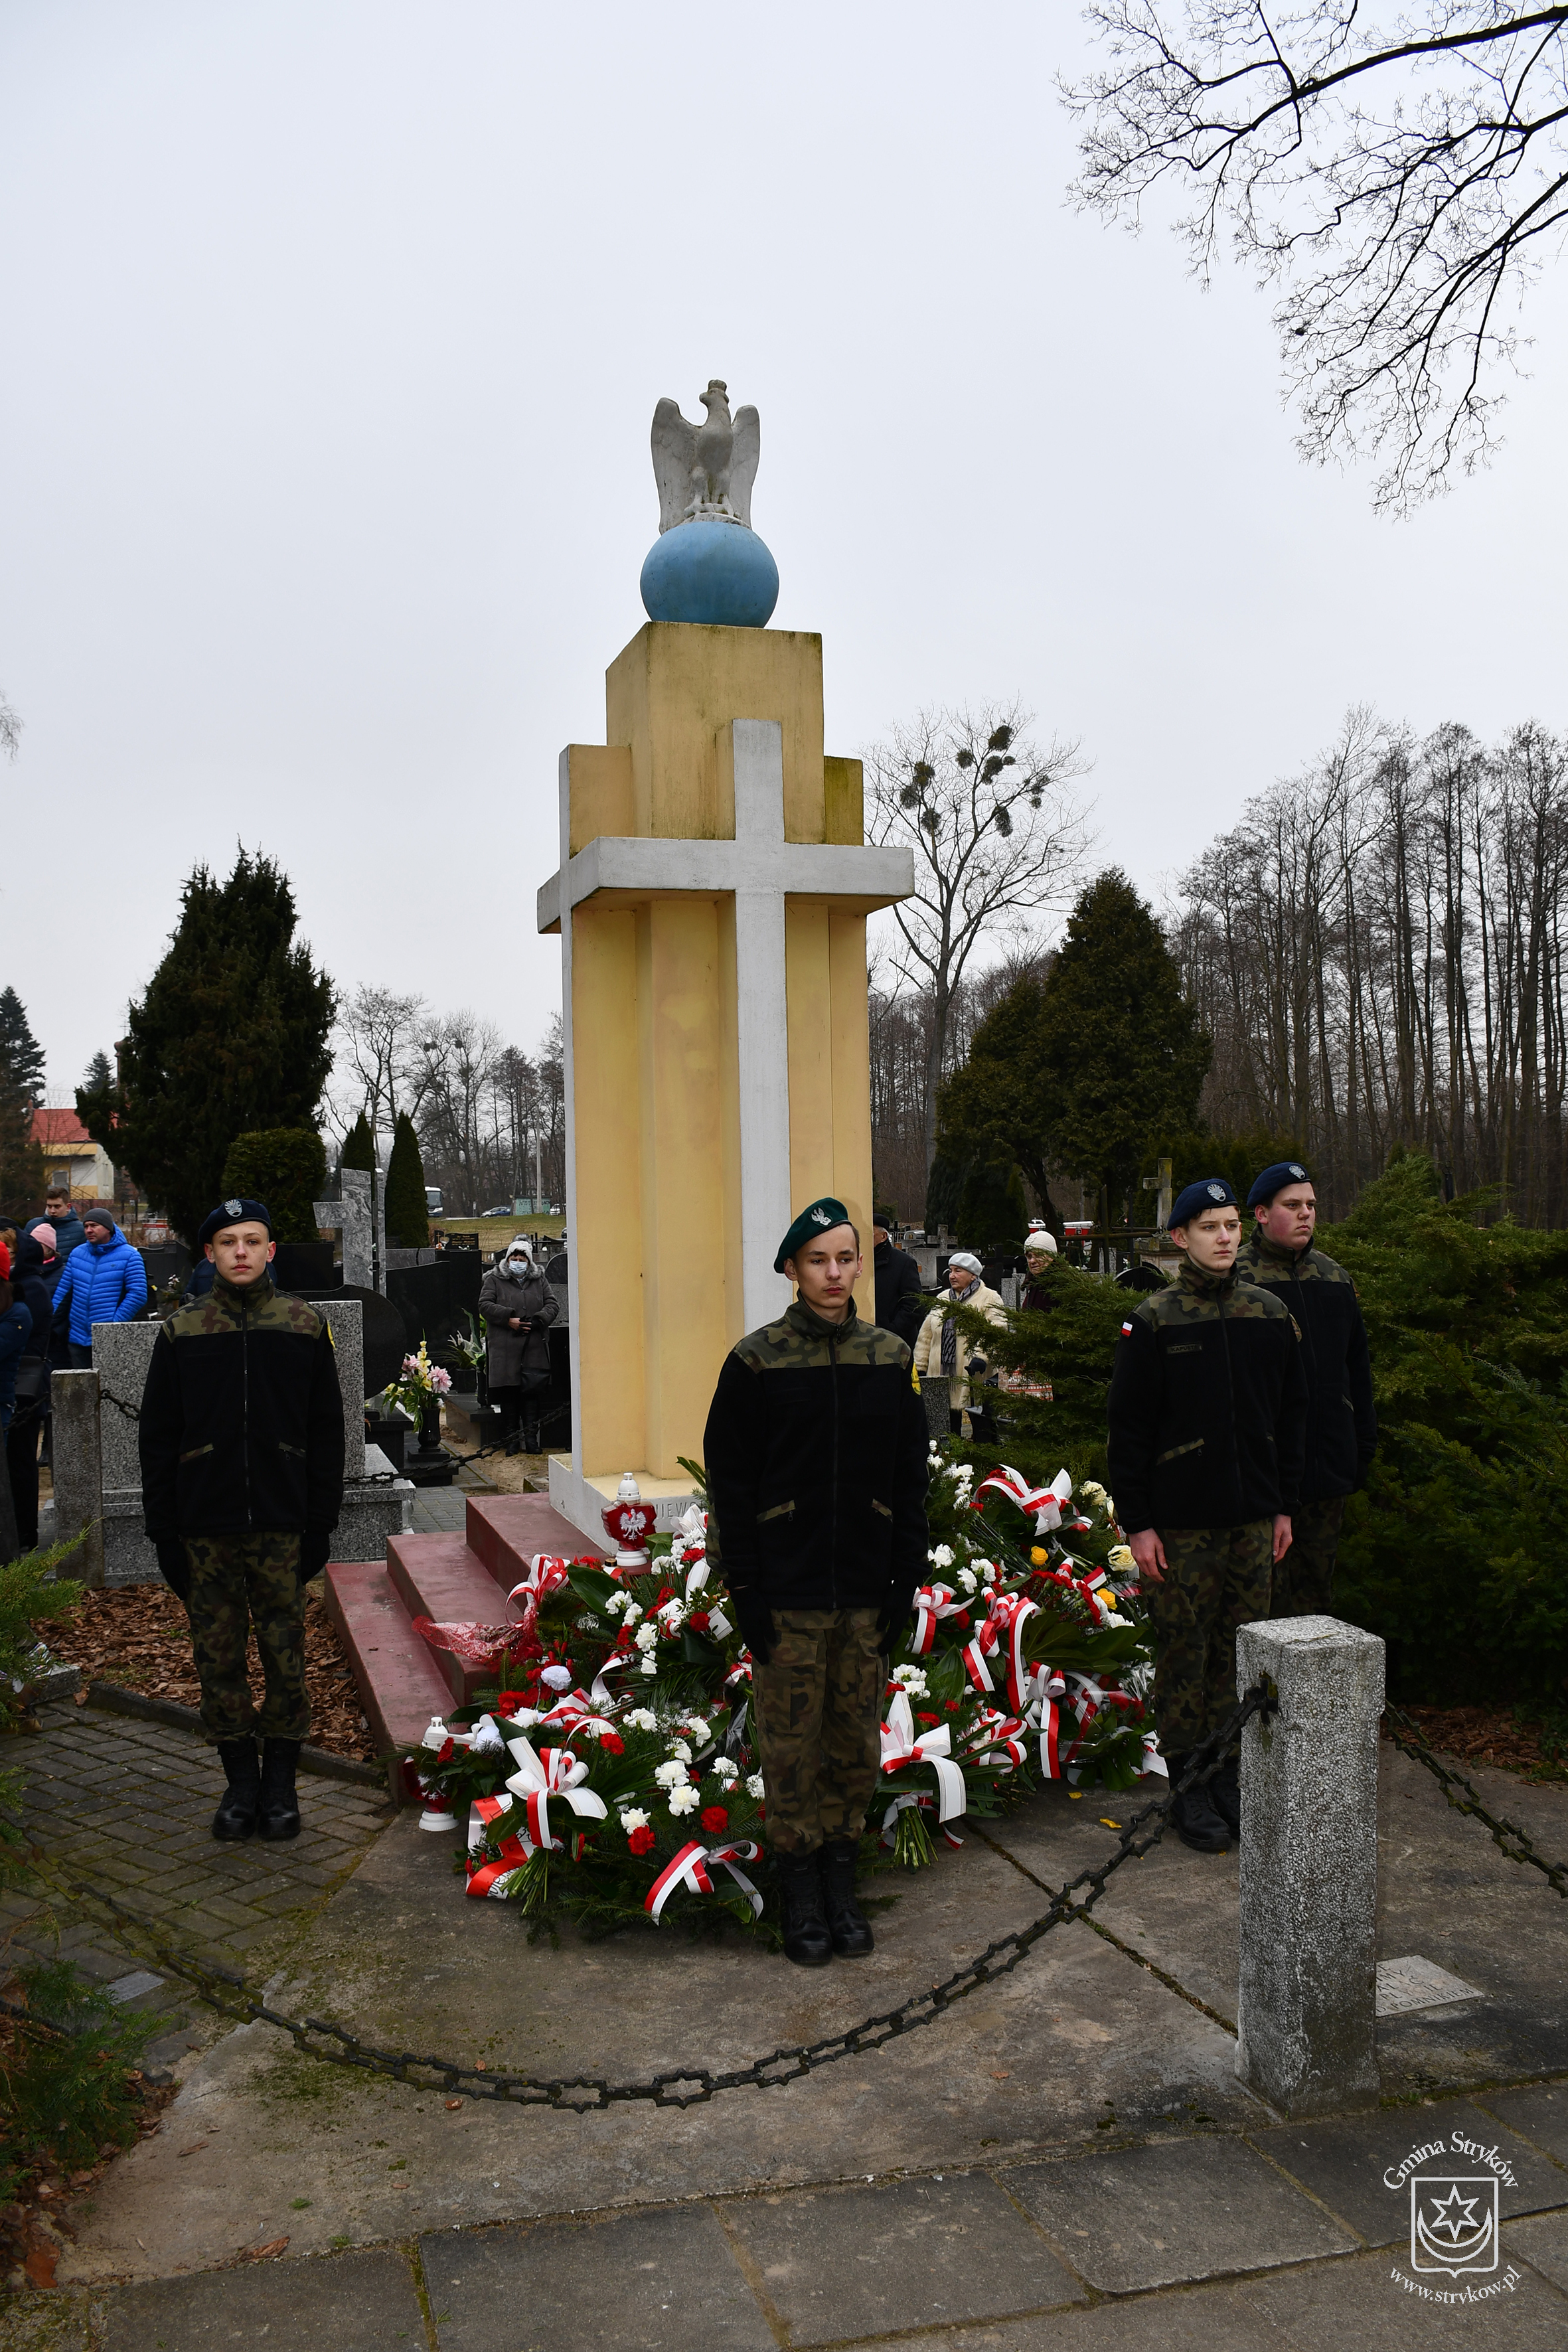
(234, 1212)
(1274, 1179)
(1208, 1192)
(811, 1223)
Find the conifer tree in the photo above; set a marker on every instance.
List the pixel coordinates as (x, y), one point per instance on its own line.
(1121, 1054)
(407, 1215)
(21, 1089)
(99, 1074)
(359, 1147)
(231, 1037)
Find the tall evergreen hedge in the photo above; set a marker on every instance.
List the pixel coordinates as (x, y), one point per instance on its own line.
(286, 1168)
(407, 1215)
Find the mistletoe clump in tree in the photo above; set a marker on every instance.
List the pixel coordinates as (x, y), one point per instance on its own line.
(231, 1037)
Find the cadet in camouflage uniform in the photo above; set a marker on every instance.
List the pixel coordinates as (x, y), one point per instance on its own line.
(242, 1478)
(1341, 1420)
(1207, 1410)
(815, 1455)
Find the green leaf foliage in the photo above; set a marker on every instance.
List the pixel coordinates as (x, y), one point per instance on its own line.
(230, 1038)
(408, 1214)
(284, 1167)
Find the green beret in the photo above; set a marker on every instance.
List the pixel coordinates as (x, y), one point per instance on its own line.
(820, 1218)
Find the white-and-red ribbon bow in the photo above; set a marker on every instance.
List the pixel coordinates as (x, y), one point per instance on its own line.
(546, 1574)
(899, 1747)
(557, 1774)
(932, 1603)
(489, 1877)
(691, 1868)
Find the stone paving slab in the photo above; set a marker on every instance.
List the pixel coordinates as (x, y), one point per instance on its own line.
(1145, 2216)
(846, 2263)
(665, 2281)
(357, 2303)
(1542, 2242)
(1345, 2306)
(1344, 2163)
(1540, 2113)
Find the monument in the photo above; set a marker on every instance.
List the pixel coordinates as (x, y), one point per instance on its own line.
(711, 902)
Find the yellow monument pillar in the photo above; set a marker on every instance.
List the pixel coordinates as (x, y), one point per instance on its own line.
(711, 902)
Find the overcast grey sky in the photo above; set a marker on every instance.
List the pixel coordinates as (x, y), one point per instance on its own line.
(332, 332)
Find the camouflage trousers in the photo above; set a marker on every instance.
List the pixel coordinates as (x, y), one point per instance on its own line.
(239, 1581)
(1304, 1578)
(1216, 1578)
(818, 1708)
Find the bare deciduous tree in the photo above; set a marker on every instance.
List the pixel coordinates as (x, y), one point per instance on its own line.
(10, 730)
(1380, 951)
(998, 837)
(382, 1066)
(1398, 177)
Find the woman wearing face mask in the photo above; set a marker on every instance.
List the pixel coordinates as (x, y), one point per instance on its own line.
(518, 1306)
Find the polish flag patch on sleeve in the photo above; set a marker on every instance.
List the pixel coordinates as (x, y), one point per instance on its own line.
(1127, 1330)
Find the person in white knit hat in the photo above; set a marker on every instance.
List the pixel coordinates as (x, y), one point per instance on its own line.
(942, 1347)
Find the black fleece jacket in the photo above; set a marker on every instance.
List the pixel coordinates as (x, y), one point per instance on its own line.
(1208, 1406)
(1342, 1419)
(242, 1419)
(815, 1455)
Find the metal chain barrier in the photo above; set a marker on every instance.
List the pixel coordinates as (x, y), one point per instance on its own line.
(1508, 1836)
(688, 2087)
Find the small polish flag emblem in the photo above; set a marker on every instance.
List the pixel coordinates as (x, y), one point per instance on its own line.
(1127, 1328)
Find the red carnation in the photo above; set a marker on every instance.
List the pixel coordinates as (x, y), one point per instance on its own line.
(928, 1718)
(640, 1840)
(713, 1819)
(509, 1701)
(699, 1621)
(611, 1743)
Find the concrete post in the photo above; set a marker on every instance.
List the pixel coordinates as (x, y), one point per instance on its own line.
(77, 1472)
(1308, 1866)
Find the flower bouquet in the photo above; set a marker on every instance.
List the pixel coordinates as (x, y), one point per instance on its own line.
(420, 1383)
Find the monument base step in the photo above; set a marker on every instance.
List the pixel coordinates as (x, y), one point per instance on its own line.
(401, 1680)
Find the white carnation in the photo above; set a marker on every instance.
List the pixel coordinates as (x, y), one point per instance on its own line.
(634, 1819)
(679, 1747)
(725, 1769)
(633, 1612)
(941, 1556)
(684, 1800)
(968, 1579)
(641, 1718)
(646, 1636)
(672, 1775)
(913, 1680)
(649, 1664)
(755, 1787)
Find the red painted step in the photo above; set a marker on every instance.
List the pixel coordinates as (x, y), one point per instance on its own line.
(400, 1684)
(402, 1681)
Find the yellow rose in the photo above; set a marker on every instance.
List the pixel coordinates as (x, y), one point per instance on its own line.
(1038, 1558)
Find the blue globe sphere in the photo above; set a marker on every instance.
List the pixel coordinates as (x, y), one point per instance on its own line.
(719, 574)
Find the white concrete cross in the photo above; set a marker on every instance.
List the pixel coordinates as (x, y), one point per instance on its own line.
(762, 868)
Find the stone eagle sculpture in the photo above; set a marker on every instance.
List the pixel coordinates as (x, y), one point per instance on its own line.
(705, 471)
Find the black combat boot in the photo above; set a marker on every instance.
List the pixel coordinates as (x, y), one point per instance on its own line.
(846, 1923)
(279, 1806)
(805, 1937)
(1224, 1794)
(235, 1817)
(1192, 1817)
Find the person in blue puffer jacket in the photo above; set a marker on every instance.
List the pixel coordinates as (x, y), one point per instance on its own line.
(105, 1281)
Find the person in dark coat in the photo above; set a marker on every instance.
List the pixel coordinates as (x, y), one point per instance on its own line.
(901, 1301)
(1207, 1432)
(32, 1396)
(69, 1231)
(815, 1454)
(16, 1325)
(1039, 1257)
(1342, 1419)
(241, 1438)
(518, 1306)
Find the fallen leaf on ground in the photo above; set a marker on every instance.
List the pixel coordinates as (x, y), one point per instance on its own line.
(192, 2147)
(40, 2265)
(264, 2253)
(454, 2102)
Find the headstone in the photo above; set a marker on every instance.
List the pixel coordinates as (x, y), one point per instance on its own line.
(1306, 1999)
(77, 1475)
(356, 1215)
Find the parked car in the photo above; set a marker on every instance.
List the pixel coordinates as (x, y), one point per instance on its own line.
(433, 1199)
